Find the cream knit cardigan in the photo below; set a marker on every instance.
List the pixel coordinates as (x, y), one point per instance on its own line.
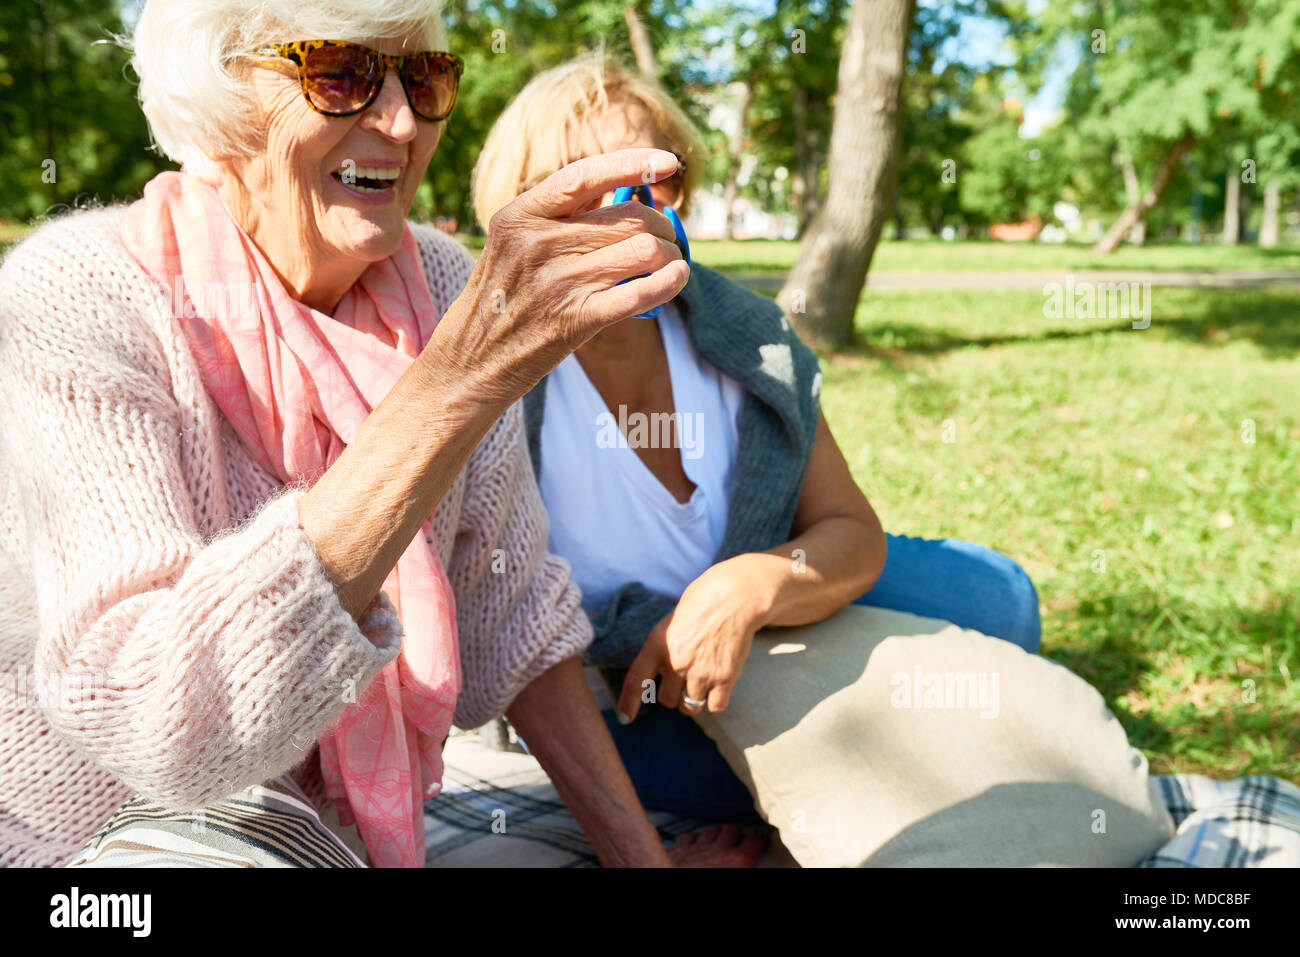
(166, 626)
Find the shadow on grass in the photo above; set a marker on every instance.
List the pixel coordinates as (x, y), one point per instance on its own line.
(1212, 317)
(1270, 319)
(1113, 650)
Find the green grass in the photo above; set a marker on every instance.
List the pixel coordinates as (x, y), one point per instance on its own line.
(918, 256)
(1078, 438)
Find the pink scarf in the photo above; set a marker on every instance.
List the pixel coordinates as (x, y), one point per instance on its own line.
(296, 384)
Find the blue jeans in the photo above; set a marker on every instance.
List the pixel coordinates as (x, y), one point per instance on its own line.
(676, 767)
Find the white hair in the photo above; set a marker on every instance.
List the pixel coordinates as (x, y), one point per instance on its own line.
(186, 51)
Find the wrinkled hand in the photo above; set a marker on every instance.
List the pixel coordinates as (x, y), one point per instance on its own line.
(700, 647)
(725, 846)
(547, 279)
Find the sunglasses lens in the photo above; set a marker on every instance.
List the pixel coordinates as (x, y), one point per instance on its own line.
(339, 79)
(431, 83)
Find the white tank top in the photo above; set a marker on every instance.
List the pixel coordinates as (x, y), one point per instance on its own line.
(610, 517)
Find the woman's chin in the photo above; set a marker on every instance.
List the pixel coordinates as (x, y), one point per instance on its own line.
(371, 237)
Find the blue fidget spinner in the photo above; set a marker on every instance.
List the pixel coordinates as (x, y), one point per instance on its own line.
(642, 193)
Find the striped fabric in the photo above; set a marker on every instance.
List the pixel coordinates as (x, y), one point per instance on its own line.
(271, 825)
(497, 809)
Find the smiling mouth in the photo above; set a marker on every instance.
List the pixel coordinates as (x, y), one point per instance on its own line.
(368, 179)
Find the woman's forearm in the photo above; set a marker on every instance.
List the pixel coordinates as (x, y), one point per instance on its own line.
(837, 554)
(547, 280)
(557, 716)
(816, 574)
(363, 513)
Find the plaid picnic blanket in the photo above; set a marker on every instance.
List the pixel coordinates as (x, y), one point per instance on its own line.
(1247, 822)
(499, 809)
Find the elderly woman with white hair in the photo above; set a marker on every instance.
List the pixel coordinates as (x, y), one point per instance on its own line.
(267, 522)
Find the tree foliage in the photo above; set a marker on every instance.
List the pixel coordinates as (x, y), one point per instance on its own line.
(1007, 178)
(1156, 79)
(1142, 74)
(74, 132)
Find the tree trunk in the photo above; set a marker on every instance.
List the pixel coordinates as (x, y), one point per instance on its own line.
(734, 149)
(1232, 207)
(728, 203)
(807, 166)
(1133, 215)
(642, 48)
(1268, 225)
(800, 185)
(821, 294)
(1243, 214)
(1133, 193)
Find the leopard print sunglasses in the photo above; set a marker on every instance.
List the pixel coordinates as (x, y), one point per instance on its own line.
(340, 78)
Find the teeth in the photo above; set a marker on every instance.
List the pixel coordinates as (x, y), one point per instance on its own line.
(376, 172)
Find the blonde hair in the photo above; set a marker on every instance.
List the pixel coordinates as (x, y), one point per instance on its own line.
(186, 53)
(530, 140)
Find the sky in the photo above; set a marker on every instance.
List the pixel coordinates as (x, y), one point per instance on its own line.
(979, 43)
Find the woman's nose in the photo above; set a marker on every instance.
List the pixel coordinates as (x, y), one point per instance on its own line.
(391, 113)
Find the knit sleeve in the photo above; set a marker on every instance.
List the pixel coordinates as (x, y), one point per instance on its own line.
(188, 668)
(447, 264)
(518, 611)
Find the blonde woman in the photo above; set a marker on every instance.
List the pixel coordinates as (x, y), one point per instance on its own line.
(739, 512)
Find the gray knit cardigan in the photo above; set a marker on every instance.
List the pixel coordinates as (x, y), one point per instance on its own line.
(746, 336)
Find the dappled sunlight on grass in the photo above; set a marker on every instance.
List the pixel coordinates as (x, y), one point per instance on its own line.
(1148, 480)
(892, 323)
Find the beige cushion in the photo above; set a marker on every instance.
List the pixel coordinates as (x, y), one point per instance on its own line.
(877, 738)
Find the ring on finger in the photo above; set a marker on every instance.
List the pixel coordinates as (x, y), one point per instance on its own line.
(691, 703)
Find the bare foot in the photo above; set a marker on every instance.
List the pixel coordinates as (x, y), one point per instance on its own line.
(725, 846)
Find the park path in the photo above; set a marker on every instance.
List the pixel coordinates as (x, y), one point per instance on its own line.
(1036, 279)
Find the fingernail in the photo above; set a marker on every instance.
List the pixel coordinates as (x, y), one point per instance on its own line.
(623, 719)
